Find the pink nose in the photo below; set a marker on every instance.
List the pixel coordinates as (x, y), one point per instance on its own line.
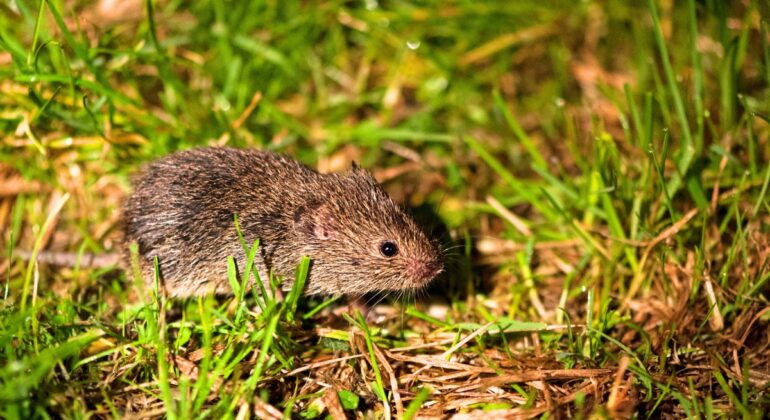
(423, 270)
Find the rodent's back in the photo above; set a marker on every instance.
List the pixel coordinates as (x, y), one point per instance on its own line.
(184, 205)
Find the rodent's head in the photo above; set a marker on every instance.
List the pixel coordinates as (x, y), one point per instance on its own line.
(360, 241)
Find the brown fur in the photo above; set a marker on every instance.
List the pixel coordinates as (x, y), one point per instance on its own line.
(183, 207)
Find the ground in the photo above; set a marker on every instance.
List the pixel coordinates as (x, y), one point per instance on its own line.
(597, 172)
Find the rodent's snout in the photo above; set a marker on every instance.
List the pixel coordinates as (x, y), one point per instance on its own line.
(423, 271)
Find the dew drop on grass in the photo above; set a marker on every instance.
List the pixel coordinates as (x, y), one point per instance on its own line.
(559, 102)
(413, 45)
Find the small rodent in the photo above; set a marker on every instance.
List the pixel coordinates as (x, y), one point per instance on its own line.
(183, 206)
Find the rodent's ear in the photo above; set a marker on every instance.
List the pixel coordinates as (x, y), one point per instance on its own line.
(316, 220)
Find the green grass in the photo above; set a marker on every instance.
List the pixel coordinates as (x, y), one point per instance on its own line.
(600, 168)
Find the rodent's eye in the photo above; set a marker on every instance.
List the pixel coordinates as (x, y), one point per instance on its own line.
(389, 249)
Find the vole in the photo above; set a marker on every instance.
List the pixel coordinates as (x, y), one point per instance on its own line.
(183, 208)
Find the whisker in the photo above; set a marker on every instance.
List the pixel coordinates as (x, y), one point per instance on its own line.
(372, 297)
(454, 247)
(413, 295)
(382, 297)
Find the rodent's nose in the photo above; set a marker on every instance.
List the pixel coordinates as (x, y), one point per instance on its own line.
(423, 270)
